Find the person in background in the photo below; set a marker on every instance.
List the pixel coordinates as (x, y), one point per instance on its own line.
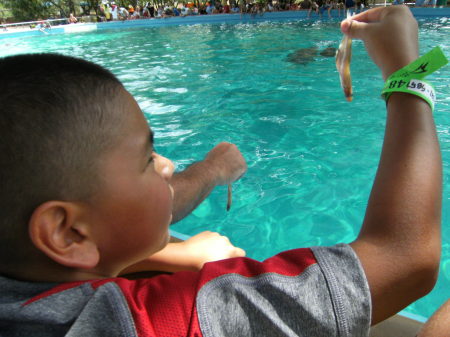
(123, 13)
(43, 26)
(114, 12)
(226, 8)
(350, 5)
(152, 11)
(175, 11)
(209, 8)
(314, 7)
(146, 12)
(235, 8)
(108, 14)
(325, 6)
(136, 14)
(339, 5)
(306, 5)
(101, 9)
(72, 18)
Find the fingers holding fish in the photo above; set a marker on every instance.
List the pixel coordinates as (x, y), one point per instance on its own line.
(389, 34)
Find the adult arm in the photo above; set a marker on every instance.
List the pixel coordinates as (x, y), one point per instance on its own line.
(399, 243)
(222, 165)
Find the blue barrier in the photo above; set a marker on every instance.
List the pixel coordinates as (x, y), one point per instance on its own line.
(202, 19)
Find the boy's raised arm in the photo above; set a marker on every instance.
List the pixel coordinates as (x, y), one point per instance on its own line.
(222, 165)
(399, 243)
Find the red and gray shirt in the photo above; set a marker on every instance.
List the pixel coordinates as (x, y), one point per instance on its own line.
(320, 291)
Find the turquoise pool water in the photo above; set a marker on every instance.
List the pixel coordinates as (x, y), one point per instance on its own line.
(312, 156)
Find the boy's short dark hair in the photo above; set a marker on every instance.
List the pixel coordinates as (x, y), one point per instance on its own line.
(58, 114)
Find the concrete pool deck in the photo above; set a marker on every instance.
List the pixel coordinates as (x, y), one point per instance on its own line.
(202, 19)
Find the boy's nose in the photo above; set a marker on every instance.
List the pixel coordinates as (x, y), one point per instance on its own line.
(164, 166)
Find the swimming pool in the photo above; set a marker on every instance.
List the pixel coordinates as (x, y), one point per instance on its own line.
(312, 156)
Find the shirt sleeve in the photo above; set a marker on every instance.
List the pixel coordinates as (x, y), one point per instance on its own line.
(320, 291)
(348, 288)
(285, 296)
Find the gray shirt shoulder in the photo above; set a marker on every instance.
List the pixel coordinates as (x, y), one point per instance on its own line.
(329, 298)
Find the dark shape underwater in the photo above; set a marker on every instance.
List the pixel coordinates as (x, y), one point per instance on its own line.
(306, 55)
(303, 55)
(328, 52)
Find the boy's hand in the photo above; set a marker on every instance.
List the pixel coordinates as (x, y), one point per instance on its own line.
(389, 34)
(207, 247)
(227, 161)
(189, 255)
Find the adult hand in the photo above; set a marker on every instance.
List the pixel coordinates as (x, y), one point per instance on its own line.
(390, 35)
(222, 165)
(227, 161)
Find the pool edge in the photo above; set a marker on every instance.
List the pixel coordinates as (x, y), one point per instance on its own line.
(204, 19)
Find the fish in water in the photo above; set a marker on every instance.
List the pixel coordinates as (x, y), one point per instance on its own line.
(328, 52)
(306, 55)
(302, 56)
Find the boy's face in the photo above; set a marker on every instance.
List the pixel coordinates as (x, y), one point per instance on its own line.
(133, 208)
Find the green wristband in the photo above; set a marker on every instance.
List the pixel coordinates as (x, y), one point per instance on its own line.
(420, 88)
(409, 78)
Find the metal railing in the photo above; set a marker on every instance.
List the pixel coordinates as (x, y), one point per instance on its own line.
(33, 24)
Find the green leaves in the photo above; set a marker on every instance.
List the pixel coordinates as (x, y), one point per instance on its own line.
(32, 10)
(26, 10)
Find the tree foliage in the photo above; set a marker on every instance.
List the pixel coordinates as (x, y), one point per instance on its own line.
(64, 7)
(27, 10)
(89, 5)
(30, 10)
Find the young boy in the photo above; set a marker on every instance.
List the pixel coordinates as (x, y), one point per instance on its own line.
(70, 226)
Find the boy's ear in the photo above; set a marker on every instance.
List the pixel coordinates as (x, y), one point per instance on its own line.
(56, 230)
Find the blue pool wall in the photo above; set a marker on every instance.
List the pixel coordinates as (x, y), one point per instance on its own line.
(202, 19)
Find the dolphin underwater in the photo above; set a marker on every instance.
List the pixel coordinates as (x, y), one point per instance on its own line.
(329, 52)
(306, 55)
(302, 56)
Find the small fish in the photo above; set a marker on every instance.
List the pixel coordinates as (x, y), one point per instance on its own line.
(229, 198)
(343, 58)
